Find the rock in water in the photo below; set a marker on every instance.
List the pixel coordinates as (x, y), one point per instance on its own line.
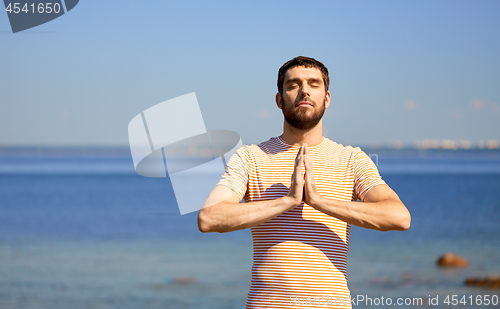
(450, 259)
(184, 280)
(486, 282)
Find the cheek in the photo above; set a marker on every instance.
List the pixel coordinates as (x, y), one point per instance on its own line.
(286, 100)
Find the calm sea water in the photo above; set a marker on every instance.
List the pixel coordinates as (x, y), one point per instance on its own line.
(82, 230)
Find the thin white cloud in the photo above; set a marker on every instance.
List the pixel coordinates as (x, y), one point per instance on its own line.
(262, 113)
(411, 105)
(485, 105)
(496, 108)
(455, 114)
(478, 103)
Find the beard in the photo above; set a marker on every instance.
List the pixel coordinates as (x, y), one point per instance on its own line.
(298, 117)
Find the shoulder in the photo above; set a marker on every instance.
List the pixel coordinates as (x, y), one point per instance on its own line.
(264, 148)
(353, 156)
(340, 150)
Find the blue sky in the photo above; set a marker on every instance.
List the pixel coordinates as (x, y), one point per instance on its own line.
(399, 70)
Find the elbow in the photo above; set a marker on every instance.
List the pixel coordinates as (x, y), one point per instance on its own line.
(206, 223)
(408, 222)
(404, 221)
(203, 228)
(203, 224)
(399, 222)
(402, 218)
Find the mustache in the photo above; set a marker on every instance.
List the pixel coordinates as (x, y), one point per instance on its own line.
(306, 99)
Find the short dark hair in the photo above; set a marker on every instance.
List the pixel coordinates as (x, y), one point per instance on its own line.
(302, 61)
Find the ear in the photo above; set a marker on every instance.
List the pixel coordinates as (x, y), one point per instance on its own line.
(278, 100)
(327, 99)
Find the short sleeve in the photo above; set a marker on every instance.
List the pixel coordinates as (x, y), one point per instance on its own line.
(366, 175)
(236, 174)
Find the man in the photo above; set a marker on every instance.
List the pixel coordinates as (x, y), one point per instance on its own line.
(300, 191)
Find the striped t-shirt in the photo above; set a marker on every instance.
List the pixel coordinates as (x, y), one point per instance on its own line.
(300, 256)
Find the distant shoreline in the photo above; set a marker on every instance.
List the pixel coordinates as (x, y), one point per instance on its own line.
(105, 151)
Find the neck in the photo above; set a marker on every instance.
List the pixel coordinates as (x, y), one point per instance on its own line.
(312, 136)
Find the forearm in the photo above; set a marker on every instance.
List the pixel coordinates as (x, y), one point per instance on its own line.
(227, 216)
(385, 215)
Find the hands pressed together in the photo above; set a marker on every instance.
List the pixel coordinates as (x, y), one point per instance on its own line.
(303, 186)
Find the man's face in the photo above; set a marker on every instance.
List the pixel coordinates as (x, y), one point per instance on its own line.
(304, 97)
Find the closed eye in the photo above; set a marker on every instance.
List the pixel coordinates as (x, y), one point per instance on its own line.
(292, 84)
(314, 83)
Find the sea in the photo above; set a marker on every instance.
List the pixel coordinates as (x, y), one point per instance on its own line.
(80, 229)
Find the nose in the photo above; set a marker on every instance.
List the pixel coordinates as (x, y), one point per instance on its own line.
(304, 91)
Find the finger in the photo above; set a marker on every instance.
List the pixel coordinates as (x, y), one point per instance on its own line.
(297, 181)
(303, 163)
(307, 159)
(298, 167)
(299, 157)
(309, 177)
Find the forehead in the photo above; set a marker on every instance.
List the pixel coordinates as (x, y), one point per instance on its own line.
(304, 73)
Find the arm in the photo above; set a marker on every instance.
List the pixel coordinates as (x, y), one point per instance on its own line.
(228, 215)
(381, 210)
(222, 212)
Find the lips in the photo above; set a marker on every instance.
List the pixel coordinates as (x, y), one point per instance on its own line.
(304, 104)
